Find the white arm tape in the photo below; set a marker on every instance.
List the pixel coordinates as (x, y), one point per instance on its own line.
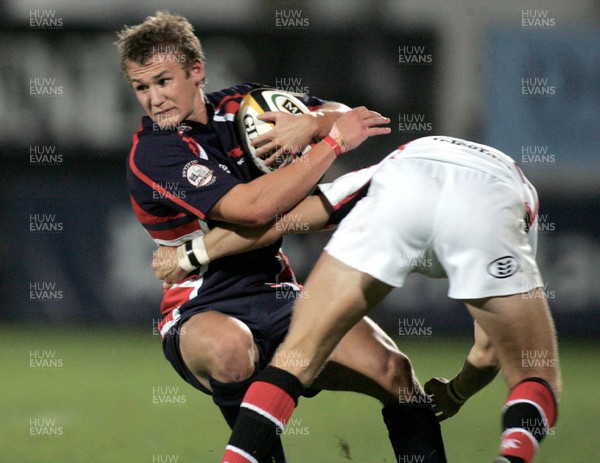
(199, 250)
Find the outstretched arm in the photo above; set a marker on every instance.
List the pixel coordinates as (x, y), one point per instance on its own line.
(335, 200)
(479, 369)
(310, 215)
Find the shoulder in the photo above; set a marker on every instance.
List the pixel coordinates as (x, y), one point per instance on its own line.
(228, 99)
(153, 148)
(236, 91)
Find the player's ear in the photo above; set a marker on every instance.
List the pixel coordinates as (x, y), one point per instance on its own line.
(196, 71)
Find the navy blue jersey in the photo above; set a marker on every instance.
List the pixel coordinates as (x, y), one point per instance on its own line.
(175, 176)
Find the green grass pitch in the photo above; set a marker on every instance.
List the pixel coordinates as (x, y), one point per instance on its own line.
(95, 396)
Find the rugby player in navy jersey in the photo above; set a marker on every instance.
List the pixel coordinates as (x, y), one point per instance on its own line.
(186, 173)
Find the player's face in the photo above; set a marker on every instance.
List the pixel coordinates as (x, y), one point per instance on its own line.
(165, 90)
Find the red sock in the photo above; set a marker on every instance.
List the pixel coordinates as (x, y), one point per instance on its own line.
(265, 410)
(529, 413)
(235, 455)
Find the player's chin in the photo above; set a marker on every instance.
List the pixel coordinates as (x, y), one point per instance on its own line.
(168, 120)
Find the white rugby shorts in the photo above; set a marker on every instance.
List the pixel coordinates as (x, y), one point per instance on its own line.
(443, 220)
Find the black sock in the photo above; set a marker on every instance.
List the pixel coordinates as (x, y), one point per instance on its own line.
(515, 459)
(415, 433)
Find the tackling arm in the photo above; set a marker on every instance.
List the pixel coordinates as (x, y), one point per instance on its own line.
(173, 264)
(310, 215)
(479, 369)
(314, 213)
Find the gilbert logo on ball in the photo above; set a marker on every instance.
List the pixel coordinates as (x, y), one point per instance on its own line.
(258, 102)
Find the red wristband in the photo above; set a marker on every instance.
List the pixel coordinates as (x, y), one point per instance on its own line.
(337, 149)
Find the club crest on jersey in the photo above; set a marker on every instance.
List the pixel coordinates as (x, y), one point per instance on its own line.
(503, 267)
(198, 175)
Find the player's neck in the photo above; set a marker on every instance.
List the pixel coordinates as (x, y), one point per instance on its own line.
(200, 113)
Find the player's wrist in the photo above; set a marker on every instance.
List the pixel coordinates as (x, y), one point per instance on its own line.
(320, 124)
(337, 149)
(336, 141)
(455, 395)
(192, 255)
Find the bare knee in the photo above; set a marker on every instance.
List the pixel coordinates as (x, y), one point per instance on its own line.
(232, 358)
(400, 376)
(215, 345)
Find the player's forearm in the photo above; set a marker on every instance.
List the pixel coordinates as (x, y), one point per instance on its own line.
(308, 216)
(470, 380)
(479, 369)
(271, 195)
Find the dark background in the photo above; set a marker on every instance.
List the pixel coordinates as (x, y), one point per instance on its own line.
(88, 262)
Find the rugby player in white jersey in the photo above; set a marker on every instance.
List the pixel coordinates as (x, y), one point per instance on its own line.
(468, 208)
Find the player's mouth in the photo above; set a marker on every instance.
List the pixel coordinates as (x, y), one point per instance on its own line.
(164, 115)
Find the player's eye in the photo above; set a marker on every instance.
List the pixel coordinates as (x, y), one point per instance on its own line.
(141, 88)
(164, 81)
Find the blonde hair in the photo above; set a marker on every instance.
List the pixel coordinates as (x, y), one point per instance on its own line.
(161, 33)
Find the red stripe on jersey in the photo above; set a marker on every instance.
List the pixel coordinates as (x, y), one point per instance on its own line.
(191, 144)
(286, 274)
(314, 107)
(531, 215)
(169, 234)
(232, 106)
(400, 149)
(518, 443)
(347, 199)
(536, 212)
(538, 393)
(165, 194)
(146, 218)
(270, 399)
(175, 297)
(173, 234)
(236, 152)
(519, 171)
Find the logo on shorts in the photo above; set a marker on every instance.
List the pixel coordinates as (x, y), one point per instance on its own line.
(503, 267)
(198, 175)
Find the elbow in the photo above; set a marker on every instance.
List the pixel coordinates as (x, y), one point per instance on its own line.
(484, 357)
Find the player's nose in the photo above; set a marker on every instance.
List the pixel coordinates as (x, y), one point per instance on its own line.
(156, 96)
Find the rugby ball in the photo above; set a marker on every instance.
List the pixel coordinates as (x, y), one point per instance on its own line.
(255, 103)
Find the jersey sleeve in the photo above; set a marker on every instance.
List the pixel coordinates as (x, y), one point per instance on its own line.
(312, 102)
(337, 192)
(173, 170)
(345, 192)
